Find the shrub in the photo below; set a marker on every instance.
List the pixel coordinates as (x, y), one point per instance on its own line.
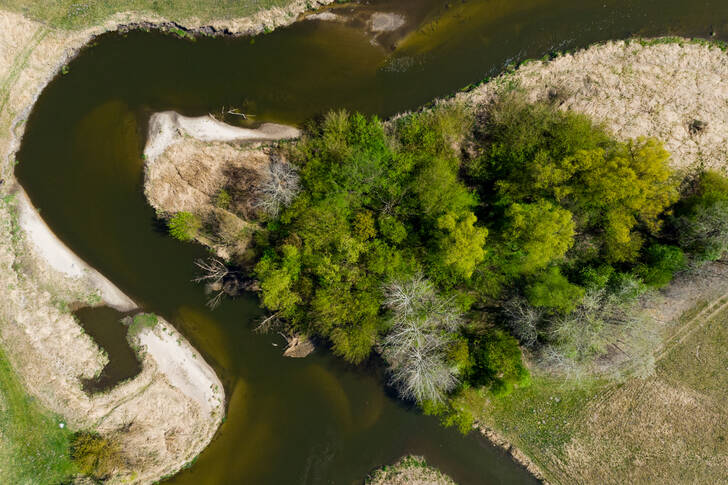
(661, 264)
(94, 455)
(553, 291)
(223, 199)
(184, 226)
(497, 363)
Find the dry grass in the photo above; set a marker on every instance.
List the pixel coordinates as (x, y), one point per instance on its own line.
(655, 89)
(670, 428)
(410, 470)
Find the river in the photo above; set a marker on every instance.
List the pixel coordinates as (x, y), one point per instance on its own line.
(315, 420)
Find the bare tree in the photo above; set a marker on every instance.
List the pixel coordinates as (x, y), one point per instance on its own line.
(213, 272)
(415, 349)
(523, 319)
(278, 188)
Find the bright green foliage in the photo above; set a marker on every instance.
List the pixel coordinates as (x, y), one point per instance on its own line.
(552, 290)
(459, 247)
(536, 152)
(184, 226)
(662, 262)
(537, 235)
(498, 363)
(371, 205)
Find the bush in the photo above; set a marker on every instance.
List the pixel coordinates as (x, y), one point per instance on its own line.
(223, 199)
(497, 363)
(553, 291)
(94, 455)
(661, 264)
(184, 226)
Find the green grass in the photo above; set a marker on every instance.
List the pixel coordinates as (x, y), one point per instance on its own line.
(539, 419)
(142, 321)
(33, 448)
(75, 14)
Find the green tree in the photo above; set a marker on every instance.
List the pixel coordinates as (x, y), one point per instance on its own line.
(184, 226)
(536, 235)
(701, 220)
(498, 363)
(460, 247)
(552, 290)
(661, 263)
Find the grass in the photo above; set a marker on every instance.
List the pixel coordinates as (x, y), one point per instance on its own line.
(539, 419)
(669, 428)
(76, 14)
(409, 469)
(34, 449)
(142, 321)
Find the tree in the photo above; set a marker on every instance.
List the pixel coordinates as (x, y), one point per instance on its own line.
(460, 247)
(701, 221)
(498, 363)
(661, 263)
(422, 333)
(536, 235)
(184, 226)
(278, 188)
(552, 290)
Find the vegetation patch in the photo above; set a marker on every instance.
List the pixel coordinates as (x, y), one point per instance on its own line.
(72, 14)
(94, 455)
(410, 470)
(34, 444)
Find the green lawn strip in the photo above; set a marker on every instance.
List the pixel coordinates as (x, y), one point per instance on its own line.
(538, 420)
(34, 449)
(75, 14)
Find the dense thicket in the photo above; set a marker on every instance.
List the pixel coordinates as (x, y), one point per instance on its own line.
(439, 237)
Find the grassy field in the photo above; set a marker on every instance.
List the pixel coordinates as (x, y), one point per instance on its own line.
(669, 428)
(72, 14)
(34, 449)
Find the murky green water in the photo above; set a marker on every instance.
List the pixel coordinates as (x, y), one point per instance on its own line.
(104, 325)
(289, 421)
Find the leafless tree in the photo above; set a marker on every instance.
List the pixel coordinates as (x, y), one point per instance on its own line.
(523, 319)
(415, 349)
(213, 270)
(277, 188)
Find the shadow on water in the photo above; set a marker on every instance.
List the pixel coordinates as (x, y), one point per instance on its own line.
(314, 420)
(105, 327)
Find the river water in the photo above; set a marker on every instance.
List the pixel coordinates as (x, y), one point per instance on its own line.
(316, 420)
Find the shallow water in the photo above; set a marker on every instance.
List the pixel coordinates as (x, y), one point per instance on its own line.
(104, 325)
(314, 420)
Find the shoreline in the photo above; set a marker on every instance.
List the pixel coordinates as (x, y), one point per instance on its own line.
(76, 43)
(173, 372)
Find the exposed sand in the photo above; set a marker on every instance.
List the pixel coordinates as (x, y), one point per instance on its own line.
(52, 250)
(167, 128)
(166, 415)
(183, 367)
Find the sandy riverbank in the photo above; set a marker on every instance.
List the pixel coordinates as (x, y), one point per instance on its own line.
(167, 414)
